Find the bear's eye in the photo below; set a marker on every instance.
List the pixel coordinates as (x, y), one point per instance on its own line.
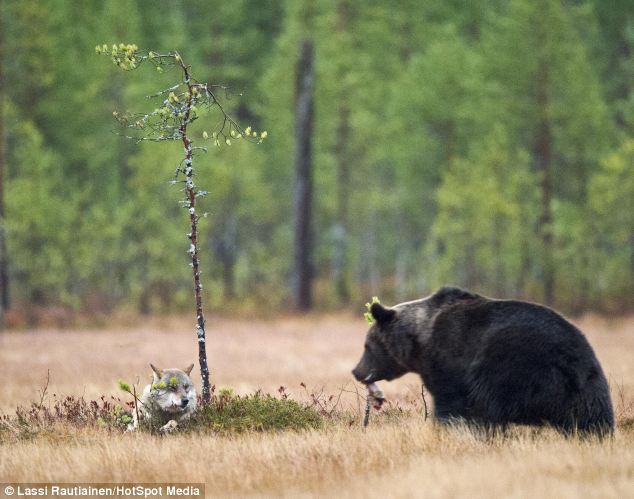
(377, 348)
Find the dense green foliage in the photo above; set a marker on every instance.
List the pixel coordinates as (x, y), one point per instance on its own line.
(487, 144)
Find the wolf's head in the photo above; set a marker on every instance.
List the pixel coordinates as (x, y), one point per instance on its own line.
(172, 390)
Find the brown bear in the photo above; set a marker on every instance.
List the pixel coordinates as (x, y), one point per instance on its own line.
(491, 362)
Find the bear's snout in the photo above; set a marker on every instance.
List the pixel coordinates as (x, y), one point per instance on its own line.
(361, 375)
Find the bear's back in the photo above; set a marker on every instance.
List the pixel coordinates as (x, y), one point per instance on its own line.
(478, 322)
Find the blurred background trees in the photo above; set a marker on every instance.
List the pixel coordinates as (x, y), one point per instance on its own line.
(486, 144)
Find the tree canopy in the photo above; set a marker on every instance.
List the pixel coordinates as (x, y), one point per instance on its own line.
(489, 146)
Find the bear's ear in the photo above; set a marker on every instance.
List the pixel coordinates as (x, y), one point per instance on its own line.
(382, 314)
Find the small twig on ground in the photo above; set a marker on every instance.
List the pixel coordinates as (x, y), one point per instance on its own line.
(132, 391)
(622, 409)
(358, 397)
(422, 392)
(327, 406)
(44, 389)
(375, 398)
(136, 405)
(368, 407)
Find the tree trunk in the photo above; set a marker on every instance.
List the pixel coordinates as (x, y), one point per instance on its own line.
(543, 159)
(499, 282)
(631, 302)
(470, 268)
(4, 260)
(525, 268)
(340, 249)
(226, 248)
(342, 158)
(195, 264)
(370, 274)
(190, 195)
(401, 282)
(303, 272)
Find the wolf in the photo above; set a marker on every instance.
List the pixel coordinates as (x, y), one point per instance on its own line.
(168, 400)
(491, 362)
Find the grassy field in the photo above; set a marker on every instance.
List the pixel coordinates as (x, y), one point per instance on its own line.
(397, 456)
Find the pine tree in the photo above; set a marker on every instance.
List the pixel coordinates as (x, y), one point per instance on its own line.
(548, 96)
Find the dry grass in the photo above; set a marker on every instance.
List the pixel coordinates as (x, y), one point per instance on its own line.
(405, 460)
(406, 457)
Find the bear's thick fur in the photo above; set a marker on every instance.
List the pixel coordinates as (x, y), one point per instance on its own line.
(491, 362)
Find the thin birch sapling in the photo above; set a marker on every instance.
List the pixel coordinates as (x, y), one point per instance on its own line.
(177, 107)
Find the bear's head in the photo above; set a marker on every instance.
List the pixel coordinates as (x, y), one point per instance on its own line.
(394, 343)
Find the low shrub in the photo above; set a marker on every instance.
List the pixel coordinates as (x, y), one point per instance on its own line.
(227, 414)
(77, 412)
(260, 412)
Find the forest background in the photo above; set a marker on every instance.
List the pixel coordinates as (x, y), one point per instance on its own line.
(487, 144)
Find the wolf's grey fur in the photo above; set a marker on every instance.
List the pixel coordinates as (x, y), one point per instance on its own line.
(169, 399)
(492, 362)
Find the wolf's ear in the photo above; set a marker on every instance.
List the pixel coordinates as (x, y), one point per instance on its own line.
(382, 314)
(188, 370)
(157, 372)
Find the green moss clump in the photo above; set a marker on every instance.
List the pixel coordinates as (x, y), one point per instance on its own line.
(257, 412)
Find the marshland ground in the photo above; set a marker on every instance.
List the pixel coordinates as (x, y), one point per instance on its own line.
(400, 455)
